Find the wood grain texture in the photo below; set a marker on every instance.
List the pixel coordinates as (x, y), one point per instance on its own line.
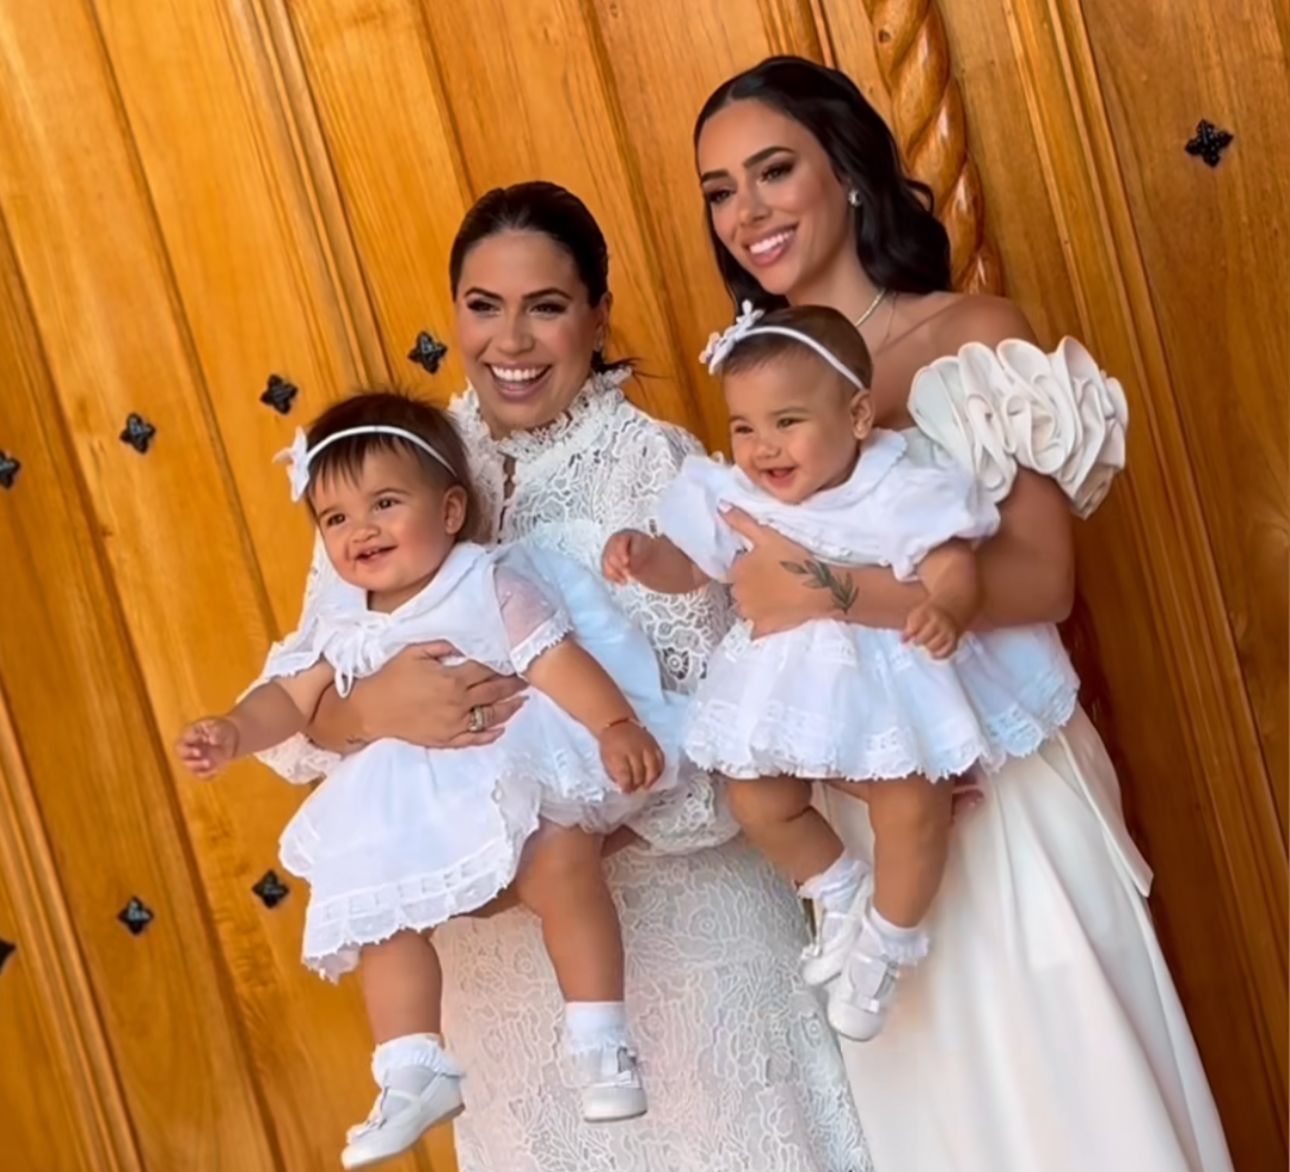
(59, 1094)
(1211, 238)
(543, 75)
(927, 115)
(87, 746)
(665, 59)
(236, 222)
(91, 188)
(394, 151)
(43, 1128)
(1199, 787)
(201, 194)
(256, 286)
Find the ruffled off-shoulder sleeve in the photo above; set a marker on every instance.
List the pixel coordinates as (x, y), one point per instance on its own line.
(994, 410)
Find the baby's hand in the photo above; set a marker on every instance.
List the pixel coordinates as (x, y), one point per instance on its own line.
(934, 629)
(624, 550)
(206, 746)
(631, 756)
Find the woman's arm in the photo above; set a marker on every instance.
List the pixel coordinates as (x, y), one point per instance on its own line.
(1027, 572)
(416, 698)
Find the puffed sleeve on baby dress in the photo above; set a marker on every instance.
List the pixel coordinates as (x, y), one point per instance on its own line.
(534, 617)
(922, 507)
(689, 516)
(994, 410)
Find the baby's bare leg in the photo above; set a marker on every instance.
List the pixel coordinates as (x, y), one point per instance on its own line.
(420, 1082)
(911, 827)
(402, 986)
(777, 816)
(562, 881)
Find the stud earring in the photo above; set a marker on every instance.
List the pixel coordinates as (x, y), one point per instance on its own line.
(853, 198)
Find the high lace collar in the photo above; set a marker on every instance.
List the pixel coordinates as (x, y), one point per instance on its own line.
(600, 395)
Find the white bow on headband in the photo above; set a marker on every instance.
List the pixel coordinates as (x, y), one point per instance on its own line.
(300, 455)
(296, 458)
(745, 325)
(719, 345)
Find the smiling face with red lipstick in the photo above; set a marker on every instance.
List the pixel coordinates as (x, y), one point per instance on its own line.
(774, 197)
(529, 272)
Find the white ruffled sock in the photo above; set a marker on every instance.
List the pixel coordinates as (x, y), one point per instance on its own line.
(410, 1063)
(906, 946)
(589, 1025)
(836, 887)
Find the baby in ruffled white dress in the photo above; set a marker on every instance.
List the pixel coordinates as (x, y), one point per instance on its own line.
(398, 838)
(889, 716)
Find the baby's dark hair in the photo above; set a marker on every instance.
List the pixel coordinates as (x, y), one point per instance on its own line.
(827, 326)
(394, 407)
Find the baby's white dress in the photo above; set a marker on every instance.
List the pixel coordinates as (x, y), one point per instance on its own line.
(401, 837)
(832, 699)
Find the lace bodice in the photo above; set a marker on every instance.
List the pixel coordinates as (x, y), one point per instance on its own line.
(599, 468)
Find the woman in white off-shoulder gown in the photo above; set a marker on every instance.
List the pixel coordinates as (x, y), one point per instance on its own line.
(1046, 1033)
(744, 1074)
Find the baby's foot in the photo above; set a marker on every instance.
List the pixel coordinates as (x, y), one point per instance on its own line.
(420, 1088)
(866, 989)
(835, 936)
(610, 1082)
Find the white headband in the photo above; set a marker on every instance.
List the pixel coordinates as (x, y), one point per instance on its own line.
(745, 326)
(300, 455)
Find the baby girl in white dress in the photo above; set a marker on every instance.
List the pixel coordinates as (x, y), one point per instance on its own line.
(399, 839)
(834, 701)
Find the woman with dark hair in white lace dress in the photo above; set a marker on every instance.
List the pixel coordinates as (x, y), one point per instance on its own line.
(744, 1073)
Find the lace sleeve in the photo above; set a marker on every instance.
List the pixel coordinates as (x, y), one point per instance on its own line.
(534, 619)
(684, 628)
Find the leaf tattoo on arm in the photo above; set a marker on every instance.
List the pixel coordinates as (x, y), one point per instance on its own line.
(821, 577)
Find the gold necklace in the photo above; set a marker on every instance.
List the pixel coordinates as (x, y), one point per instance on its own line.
(868, 313)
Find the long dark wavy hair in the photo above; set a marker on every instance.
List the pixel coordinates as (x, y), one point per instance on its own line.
(556, 213)
(902, 246)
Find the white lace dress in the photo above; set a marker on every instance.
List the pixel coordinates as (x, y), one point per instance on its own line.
(833, 699)
(1047, 1033)
(744, 1074)
(399, 837)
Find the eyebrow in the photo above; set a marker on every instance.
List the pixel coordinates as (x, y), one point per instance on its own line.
(792, 409)
(551, 290)
(751, 161)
